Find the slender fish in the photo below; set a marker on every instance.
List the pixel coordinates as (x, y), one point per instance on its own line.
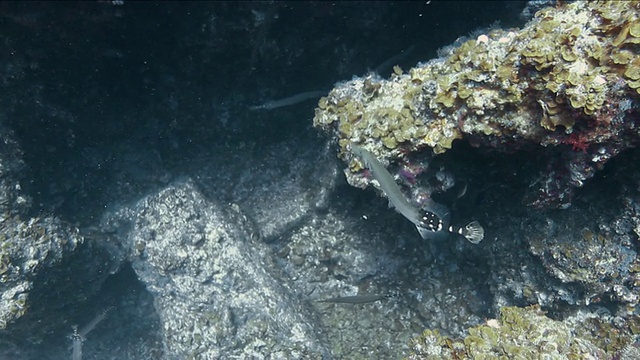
(356, 299)
(288, 101)
(431, 219)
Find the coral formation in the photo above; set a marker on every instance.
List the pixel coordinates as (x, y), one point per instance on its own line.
(565, 87)
(526, 333)
(568, 79)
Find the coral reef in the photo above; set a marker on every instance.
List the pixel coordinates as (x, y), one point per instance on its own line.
(565, 89)
(526, 333)
(212, 231)
(569, 80)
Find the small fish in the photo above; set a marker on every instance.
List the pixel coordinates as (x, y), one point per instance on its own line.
(394, 60)
(288, 101)
(356, 299)
(429, 220)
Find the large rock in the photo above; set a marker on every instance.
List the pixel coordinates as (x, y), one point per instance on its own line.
(211, 280)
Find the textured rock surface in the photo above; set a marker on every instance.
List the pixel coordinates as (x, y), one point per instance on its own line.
(210, 280)
(149, 187)
(45, 263)
(279, 186)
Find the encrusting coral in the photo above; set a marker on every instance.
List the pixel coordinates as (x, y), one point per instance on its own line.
(569, 79)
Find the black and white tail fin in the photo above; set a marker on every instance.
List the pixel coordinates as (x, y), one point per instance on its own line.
(474, 232)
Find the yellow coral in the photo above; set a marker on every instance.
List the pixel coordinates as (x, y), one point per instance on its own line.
(568, 56)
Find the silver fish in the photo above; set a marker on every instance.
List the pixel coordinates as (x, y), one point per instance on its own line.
(288, 101)
(356, 299)
(431, 219)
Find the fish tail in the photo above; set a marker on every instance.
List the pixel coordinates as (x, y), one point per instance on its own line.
(473, 231)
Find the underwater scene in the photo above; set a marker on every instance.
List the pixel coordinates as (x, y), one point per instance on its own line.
(319, 180)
